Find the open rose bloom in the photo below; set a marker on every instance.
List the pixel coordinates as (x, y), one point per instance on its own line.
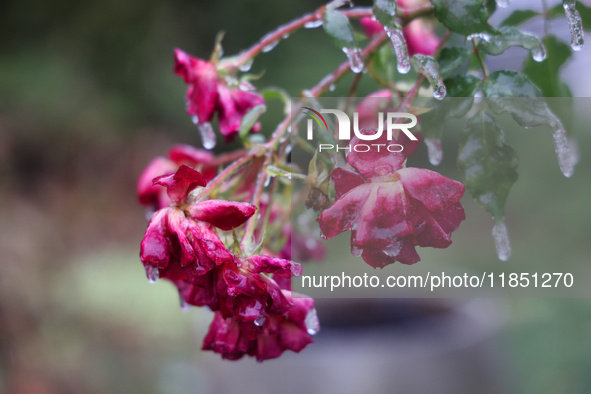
(390, 210)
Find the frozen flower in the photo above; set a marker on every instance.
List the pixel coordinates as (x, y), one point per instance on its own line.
(179, 241)
(390, 210)
(154, 196)
(208, 93)
(279, 332)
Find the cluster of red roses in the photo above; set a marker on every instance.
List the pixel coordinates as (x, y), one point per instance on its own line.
(255, 313)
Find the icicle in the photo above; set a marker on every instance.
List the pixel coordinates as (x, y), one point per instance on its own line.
(311, 322)
(503, 3)
(332, 87)
(565, 160)
(502, 243)
(270, 47)
(427, 66)
(184, 306)
(207, 135)
(152, 273)
(355, 59)
(539, 53)
(434, 150)
(400, 49)
(259, 321)
(575, 23)
(313, 24)
(247, 66)
(573, 147)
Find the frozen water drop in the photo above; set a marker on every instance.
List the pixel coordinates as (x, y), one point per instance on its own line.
(312, 323)
(285, 36)
(355, 251)
(267, 181)
(313, 24)
(270, 47)
(195, 119)
(288, 149)
(561, 146)
(184, 306)
(502, 243)
(247, 66)
(322, 235)
(152, 273)
(575, 23)
(393, 250)
(207, 135)
(503, 3)
(484, 36)
(332, 87)
(573, 147)
(439, 90)
(355, 59)
(400, 49)
(259, 321)
(539, 53)
(434, 150)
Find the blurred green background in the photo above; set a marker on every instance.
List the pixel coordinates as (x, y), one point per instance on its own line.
(87, 98)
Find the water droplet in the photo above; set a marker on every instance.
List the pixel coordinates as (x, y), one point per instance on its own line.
(355, 251)
(439, 90)
(270, 47)
(259, 321)
(332, 87)
(393, 250)
(288, 149)
(484, 36)
(184, 306)
(503, 3)
(285, 36)
(502, 243)
(355, 59)
(247, 66)
(207, 135)
(539, 53)
(573, 147)
(195, 119)
(400, 49)
(561, 147)
(575, 23)
(434, 150)
(152, 273)
(322, 235)
(313, 24)
(267, 181)
(312, 323)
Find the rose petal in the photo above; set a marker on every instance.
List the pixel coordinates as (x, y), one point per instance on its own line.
(343, 214)
(151, 195)
(375, 164)
(223, 214)
(181, 183)
(435, 191)
(345, 180)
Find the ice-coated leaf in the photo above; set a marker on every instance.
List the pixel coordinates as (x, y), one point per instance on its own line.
(385, 12)
(275, 92)
(465, 17)
(427, 66)
(338, 29)
(511, 36)
(508, 91)
(518, 17)
(487, 165)
(546, 74)
(450, 60)
(459, 99)
(250, 119)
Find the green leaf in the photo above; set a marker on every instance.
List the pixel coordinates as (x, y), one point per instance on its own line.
(459, 100)
(385, 12)
(546, 74)
(250, 119)
(274, 92)
(509, 84)
(518, 17)
(512, 36)
(338, 29)
(450, 60)
(463, 16)
(487, 165)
